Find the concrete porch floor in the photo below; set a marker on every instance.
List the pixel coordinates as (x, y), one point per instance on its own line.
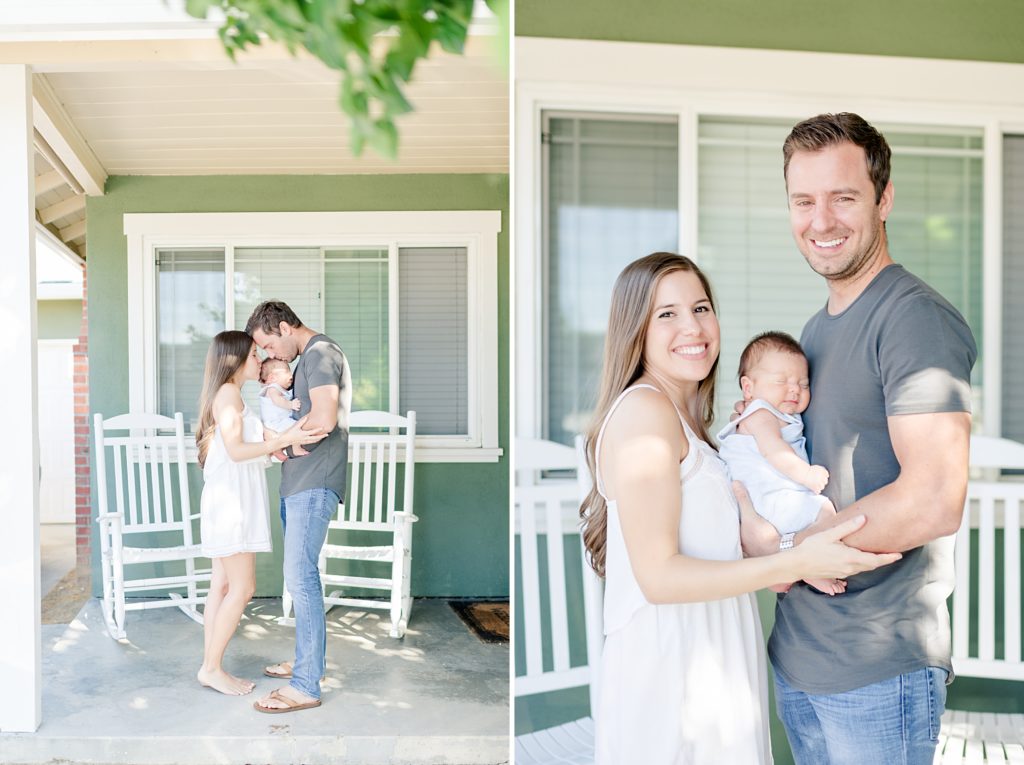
(439, 695)
(56, 553)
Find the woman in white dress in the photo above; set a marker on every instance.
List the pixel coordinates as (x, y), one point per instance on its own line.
(683, 674)
(234, 507)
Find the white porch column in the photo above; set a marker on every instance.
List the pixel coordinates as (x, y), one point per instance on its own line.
(20, 651)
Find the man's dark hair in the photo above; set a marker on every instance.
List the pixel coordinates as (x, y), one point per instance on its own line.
(267, 316)
(826, 130)
(764, 343)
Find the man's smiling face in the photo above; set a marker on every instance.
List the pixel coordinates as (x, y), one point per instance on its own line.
(835, 219)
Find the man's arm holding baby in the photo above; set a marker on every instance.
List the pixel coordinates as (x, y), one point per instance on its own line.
(925, 501)
(323, 410)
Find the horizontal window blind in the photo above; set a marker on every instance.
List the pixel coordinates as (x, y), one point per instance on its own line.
(433, 338)
(612, 196)
(760, 279)
(289, 274)
(190, 311)
(1013, 287)
(356, 316)
(935, 229)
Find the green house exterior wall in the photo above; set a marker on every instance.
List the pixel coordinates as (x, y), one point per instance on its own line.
(461, 542)
(949, 29)
(58, 319)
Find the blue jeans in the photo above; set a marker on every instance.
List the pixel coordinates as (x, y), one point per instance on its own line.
(893, 722)
(304, 517)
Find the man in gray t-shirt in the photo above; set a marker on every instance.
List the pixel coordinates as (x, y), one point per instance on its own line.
(860, 677)
(312, 485)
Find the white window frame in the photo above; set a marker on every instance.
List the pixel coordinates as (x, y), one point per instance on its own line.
(476, 230)
(691, 82)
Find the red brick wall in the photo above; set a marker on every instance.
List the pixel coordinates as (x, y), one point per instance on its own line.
(83, 505)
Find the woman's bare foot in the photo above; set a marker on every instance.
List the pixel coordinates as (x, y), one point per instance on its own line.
(248, 685)
(221, 681)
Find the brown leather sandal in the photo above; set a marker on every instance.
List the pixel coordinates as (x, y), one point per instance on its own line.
(279, 675)
(292, 704)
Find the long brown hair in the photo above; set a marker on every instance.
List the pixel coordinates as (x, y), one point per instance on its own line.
(630, 313)
(227, 354)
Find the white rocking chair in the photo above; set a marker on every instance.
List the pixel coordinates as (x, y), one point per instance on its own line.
(373, 527)
(149, 473)
(548, 506)
(992, 504)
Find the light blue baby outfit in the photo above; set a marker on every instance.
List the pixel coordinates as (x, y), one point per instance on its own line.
(273, 416)
(786, 504)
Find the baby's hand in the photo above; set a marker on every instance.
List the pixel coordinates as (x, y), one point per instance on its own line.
(815, 478)
(298, 451)
(296, 404)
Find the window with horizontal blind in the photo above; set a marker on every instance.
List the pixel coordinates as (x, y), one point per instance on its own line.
(356, 308)
(745, 246)
(612, 195)
(415, 311)
(190, 296)
(432, 310)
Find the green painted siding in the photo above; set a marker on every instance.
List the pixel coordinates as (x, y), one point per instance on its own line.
(949, 29)
(461, 542)
(59, 319)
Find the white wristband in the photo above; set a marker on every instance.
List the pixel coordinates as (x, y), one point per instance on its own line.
(786, 541)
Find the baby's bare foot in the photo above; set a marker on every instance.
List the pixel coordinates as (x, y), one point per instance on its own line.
(828, 586)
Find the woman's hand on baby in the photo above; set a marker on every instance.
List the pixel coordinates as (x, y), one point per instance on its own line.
(825, 556)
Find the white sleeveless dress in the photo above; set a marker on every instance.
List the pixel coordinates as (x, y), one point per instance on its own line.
(682, 683)
(234, 508)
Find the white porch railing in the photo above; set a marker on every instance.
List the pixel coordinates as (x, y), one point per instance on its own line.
(547, 508)
(992, 521)
(988, 550)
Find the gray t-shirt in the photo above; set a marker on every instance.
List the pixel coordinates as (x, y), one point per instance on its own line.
(900, 348)
(321, 363)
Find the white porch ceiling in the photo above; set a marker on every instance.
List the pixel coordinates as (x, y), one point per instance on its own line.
(281, 115)
(160, 97)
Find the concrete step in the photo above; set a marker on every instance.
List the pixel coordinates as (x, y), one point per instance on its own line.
(439, 695)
